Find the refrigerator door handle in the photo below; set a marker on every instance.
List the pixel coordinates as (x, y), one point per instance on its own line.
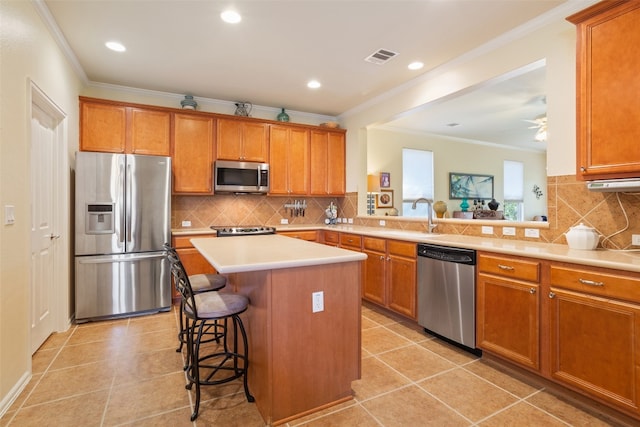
(119, 258)
(121, 204)
(128, 202)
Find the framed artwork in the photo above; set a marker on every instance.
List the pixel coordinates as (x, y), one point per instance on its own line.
(385, 180)
(384, 199)
(468, 186)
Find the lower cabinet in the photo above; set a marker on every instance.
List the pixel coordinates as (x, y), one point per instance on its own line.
(192, 260)
(309, 235)
(594, 333)
(508, 308)
(390, 275)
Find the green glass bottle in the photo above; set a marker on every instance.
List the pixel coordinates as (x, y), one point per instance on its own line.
(283, 117)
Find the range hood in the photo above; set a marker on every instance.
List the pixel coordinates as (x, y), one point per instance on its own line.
(612, 185)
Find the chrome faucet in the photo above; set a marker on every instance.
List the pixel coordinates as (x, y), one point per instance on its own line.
(430, 224)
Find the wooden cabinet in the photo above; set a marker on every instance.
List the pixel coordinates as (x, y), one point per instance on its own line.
(508, 308)
(331, 238)
(608, 84)
(289, 160)
(116, 128)
(192, 260)
(192, 153)
(593, 331)
(308, 235)
(244, 140)
(327, 157)
(390, 274)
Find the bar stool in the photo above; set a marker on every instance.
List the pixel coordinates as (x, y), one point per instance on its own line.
(199, 283)
(212, 311)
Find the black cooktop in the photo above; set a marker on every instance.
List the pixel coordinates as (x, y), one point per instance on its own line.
(243, 231)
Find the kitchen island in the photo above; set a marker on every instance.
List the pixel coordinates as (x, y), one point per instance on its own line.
(301, 359)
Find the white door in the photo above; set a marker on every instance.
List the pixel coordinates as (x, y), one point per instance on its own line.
(44, 198)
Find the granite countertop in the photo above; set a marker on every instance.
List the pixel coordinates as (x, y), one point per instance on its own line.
(621, 260)
(268, 252)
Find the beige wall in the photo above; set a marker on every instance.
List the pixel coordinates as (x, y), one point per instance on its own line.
(27, 52)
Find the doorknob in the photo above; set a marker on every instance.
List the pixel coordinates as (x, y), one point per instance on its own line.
(54, 236)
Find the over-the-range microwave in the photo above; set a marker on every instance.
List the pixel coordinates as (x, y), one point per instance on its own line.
(240, 177)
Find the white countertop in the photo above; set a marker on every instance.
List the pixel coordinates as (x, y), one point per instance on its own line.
(239, 254)
(621, 260)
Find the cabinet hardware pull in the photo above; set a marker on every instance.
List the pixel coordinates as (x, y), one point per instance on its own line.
(552, 295)
(388, 258)
(590, 282)
(583, 169)
(381, 257)
(532, 290)
(505, 267)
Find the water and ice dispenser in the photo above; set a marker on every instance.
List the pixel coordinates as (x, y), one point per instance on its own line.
(100, 218)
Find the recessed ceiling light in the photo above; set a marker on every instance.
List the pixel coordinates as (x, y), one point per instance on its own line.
(231, 17)
(313, 84)
(118, 47)
(416, 65)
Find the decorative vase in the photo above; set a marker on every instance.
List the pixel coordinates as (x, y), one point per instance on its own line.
(464, 205)
(493, 205)
(188, 103)
(283, 117)
(440, 208)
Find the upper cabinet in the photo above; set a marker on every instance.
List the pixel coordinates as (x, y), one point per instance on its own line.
(244, 140)
(608, 84)
(115, 128)
(193, 154)
(327, 169)
(289, 160)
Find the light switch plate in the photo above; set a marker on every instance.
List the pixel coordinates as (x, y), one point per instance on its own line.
(284, 221)
(532, 232)
(487, 229)
(9, 214)
(508, 231)
(186, 223)
(382, 222)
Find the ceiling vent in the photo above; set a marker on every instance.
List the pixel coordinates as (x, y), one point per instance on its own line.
(381, 56)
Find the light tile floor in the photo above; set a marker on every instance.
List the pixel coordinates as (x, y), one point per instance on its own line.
(126, 373)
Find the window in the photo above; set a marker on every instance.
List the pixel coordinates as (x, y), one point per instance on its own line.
(513, 190)
(417, 180)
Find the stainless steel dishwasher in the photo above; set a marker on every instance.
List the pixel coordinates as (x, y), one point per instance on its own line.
(446, 293)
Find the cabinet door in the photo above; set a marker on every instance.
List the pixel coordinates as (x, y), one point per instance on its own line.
(229, 140)
(149, 132)
(289, 161)
(255, 142)
(102, 127)
(508, 319)
(192, 154)
(401, 278)
(374, 277)
(594, 346)
(608, 87)
(327, 159)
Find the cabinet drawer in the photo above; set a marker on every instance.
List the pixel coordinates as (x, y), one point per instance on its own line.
(509, 267)
(179, 242)
(606, 284)
(302, 235)
(404, 249)
(331, 237)
(351, 240)
(374, 244)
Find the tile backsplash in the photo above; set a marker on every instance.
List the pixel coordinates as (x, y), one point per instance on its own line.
(616, 215)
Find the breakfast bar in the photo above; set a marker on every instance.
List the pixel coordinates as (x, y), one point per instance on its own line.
(303, 321)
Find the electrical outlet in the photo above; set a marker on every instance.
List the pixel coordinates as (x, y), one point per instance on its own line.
(531, 232)
(186, 223)
(382, 222)
(350, 220)
(317, 301)
(487, 229)
(508, 231)
(284, 221)
(635, 239)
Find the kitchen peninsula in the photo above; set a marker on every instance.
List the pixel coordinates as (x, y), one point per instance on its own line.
(302, 357)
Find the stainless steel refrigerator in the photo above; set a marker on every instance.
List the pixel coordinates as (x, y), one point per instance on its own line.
(122, 219)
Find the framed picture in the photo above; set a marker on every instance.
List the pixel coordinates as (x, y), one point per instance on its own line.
(384, 199)
(385, 180)
(468, 186)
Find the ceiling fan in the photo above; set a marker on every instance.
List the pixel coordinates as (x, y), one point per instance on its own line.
(540, 123)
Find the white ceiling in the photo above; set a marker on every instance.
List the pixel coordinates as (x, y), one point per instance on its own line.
(182, 46)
